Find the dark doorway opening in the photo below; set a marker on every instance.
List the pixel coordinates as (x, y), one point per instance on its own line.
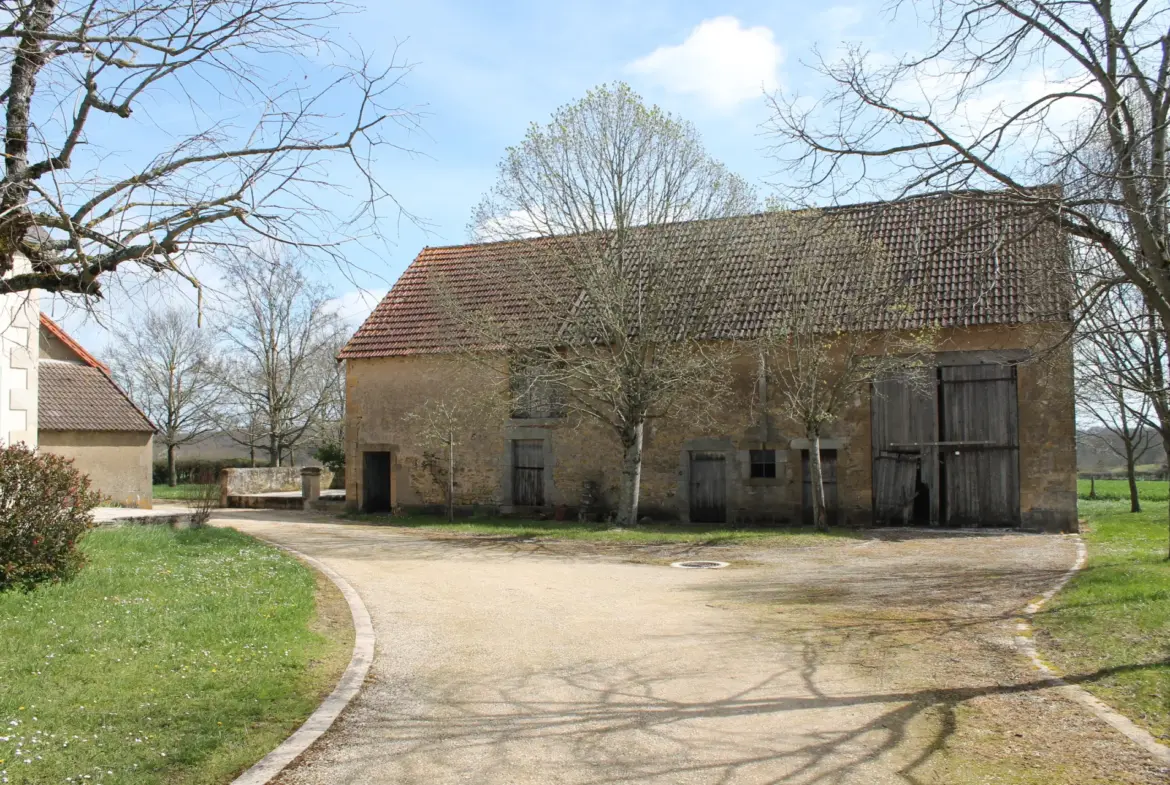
(708, 487)
(376, 482)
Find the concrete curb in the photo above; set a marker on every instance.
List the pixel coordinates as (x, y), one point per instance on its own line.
(1026, 642)
(350, 684)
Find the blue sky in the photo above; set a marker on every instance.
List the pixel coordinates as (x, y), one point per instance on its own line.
(481, 72)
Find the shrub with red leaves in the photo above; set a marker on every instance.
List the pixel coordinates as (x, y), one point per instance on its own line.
(45, 509)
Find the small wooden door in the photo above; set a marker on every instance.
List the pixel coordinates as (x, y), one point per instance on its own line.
(528, 473)
(979, 422)
(376, 482)
(708, 487)
(829, 478)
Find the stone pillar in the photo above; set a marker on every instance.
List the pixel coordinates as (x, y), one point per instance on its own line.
(310, 486)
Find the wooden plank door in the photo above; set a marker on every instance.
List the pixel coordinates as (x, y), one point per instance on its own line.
(828, 478)
(905, 459)
(979, 412)
(708, 487)
(528, 473)
(376, 482)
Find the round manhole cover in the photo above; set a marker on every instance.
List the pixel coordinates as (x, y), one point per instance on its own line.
(699, 565)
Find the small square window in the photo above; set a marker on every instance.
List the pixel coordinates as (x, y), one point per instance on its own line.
(763, 464)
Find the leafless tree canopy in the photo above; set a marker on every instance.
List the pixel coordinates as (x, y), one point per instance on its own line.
(619, 275)
(264, 150)
(1012, 93)
(835, 337)
(166, 365)
(279, 373)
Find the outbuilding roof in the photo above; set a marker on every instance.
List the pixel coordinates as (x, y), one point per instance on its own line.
(82, 395)
(968, 259)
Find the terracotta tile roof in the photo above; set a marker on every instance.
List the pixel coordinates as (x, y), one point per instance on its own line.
(76, 397)
(966, 259)
(65, 338)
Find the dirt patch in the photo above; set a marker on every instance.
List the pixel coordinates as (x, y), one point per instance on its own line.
(933, 622)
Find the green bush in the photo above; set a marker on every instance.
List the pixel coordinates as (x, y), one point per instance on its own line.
(197, 471)
(44, 510)
(331, 455)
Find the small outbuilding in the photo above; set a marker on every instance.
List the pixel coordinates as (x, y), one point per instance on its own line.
(83, 414)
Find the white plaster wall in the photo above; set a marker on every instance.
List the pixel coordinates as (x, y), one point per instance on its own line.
(19, 350)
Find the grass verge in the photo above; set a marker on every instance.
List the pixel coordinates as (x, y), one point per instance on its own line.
(173, 657)
(1118, 490)
(179, 492)
(643, 534)
(1112, 622)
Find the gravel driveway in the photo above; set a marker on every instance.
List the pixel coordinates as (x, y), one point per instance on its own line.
(875, 661)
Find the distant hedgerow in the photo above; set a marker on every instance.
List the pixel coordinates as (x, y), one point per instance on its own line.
(45, 509)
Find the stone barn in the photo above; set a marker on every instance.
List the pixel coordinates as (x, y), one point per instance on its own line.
(991, 442)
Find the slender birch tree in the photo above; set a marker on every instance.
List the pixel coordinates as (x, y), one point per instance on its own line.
(841, 329)
(616, 272)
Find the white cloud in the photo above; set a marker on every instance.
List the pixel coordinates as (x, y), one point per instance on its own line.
(354, 306)
(721, 61)
(839, 17)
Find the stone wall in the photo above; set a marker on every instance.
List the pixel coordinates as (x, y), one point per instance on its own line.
(382, 392)
(246, 482)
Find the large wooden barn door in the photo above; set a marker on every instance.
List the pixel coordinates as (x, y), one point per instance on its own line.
(905, 462)
(528, 473)
(708, 487)
(979, 424)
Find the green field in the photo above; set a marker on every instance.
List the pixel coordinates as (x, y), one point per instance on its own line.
(643, 534)
(173, 657)
(1110, 627)
(179, 492)
(1118, 490)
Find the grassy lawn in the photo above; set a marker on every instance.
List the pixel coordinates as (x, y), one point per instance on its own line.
(1118, 490)
(179, 492)
(648, 534)
(1114, 617)
(174, 657)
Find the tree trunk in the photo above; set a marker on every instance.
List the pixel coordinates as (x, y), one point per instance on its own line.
(172, 475)
(1135, 504)
(252, 455)
(273, 451)
(816, 479)
(627, 513)
(451, 478)
(1092, 486)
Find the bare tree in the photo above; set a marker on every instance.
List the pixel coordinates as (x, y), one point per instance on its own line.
(617, 275)
(165, 363)
(256, 157)
(1012, 93)
(1123, 372)
(1117, 374)
(842, 328)
(280, 372)
(443, 427)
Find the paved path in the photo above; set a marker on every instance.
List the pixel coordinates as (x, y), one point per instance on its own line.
(881, 662)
